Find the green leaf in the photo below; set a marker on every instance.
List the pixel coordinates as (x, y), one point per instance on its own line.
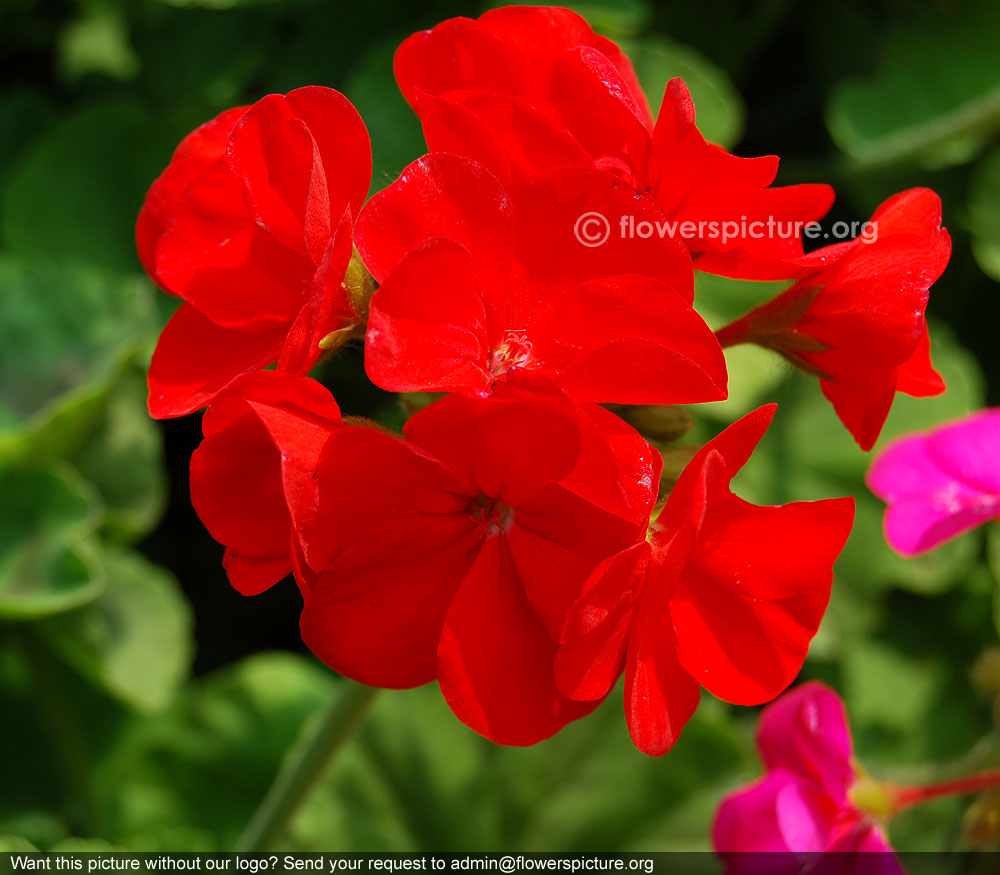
(936, 96)
(984, 214)
(66, 329)
(614, 18)
(97, 41)
(871, 670)
(199, 770)
(74, 195)
(720, 110)
(15, 845)
(47, 565)
(135, 640)
(123, 458)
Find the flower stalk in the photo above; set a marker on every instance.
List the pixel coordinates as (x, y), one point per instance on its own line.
(305, 765)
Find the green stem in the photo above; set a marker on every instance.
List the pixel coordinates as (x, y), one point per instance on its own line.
(304, 766)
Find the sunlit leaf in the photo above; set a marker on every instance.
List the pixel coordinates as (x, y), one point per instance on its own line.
(135, 639)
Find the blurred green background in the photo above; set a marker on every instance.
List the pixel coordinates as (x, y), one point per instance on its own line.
(145, 705)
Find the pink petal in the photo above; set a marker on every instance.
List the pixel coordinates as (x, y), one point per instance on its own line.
(806, 732)
(940, 484)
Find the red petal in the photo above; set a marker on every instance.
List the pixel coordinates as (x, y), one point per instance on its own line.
(252, 576)
(556, 540)
(618, 471)
(756, 581)
(495, 658)
(917, 376)
(508, 446)
(198, 151)
(457, 54)
(773, 552)
(542, 33)
(334, 126)
(509, 135)
(548, 244)
(695, 181)
(396, 544)
(215, 256)
(195, 358)
(304, 158)
(239, 478)
(326, 308)
(440, 196)
(236, 490)
(629, 340)
(425, 333)
(734, 445)
(660, 697)
(595, 103)
(596, 632)
(866, 307)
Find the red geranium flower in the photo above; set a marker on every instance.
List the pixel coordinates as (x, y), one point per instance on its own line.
(723, 594)
(478, 282)
(529, 89)
(454, 554)
(858, 323)
(251, 225)
(243, 487)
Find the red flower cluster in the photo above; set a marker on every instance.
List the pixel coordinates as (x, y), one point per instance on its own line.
(506, 544)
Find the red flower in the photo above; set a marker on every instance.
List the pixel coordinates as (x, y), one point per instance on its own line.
(243, 487)
(454, 554)
(478, 282)
(251, 225)
(858, 322)
(525, 90)
(723, 594)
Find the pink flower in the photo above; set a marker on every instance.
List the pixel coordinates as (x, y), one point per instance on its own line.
(806, 804)
(940, 483)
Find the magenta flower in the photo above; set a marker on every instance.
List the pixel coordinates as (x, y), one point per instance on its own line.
(939, 484)
(811, 801)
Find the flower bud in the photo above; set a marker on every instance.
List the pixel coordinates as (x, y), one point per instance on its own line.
(659, 422)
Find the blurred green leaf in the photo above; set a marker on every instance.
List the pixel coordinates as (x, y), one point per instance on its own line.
(719, 107)
(46, 563)
(97, 41)
(65, 329)
(72, 194)
(984, 214)
(15, 845)
(135, 639)
(223, 51)
(754, 373)
(397, 139)
(24, 114)
(417, 779)
(871, 670)
(614, 18)
(199, 770)
(936, 96)
(218, 4)
(123, 458)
